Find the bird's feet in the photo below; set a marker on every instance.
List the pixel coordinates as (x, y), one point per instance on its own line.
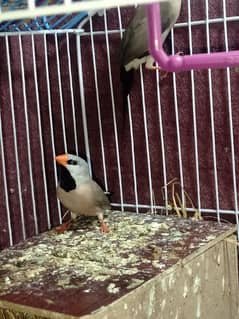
(63, 227)
(103, 227)
(150, 65)
(162, 73)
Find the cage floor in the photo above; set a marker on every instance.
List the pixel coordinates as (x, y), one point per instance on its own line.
(78, 272)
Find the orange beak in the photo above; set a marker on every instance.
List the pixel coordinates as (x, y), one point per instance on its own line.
(62, 159)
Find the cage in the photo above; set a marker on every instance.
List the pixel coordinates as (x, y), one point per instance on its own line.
(173, 150)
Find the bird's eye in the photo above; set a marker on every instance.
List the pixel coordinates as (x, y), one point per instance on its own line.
(71, 162)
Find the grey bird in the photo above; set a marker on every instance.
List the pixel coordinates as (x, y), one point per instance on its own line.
(134, 44)
(78, 192)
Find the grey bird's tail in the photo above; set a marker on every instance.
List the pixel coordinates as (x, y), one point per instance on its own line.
(127, 79)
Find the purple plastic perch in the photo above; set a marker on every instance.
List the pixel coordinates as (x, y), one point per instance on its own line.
(176, 63)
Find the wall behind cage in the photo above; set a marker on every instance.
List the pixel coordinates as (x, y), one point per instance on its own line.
(172, 128)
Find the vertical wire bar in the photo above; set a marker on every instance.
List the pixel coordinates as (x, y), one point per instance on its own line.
(147, 141)
(60, 91)
(72, 92)
(15, 139)
(9, 224)
(133, 156)
(25, 102)
(231, 123)
(131, 132)
(51, 119)
(82, 97)
(113, 110)
(120, 21)
(194, 112)
(98, 105)
(40, 132)
(31, 4)
(162, 143)
(212, 118)
(178, 127)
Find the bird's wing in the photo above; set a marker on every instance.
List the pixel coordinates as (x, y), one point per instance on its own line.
(134, 43)
(169, 12)
(135, 40)
(101, 200)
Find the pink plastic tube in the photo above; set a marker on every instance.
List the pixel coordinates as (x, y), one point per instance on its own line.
(176, 63)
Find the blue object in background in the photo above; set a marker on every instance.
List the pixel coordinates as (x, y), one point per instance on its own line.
(67, 21)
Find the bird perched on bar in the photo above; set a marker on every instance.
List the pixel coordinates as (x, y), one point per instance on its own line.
(78, 192)
(134, 44)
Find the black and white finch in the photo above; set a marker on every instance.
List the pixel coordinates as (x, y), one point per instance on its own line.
(78, 192)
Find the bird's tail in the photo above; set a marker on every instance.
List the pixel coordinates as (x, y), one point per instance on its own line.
(127, 78)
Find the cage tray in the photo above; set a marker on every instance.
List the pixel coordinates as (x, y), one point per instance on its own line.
(82, 272)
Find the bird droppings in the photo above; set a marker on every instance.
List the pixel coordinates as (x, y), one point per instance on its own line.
(198, 311)
(81, 262)
(171, 280)
(196, 285)
(163, 304)
(112, 289)
(189, 270)
(210, 237)
(7, 281)
(223, 283)
(151, 301)
(87, 290)
(135, 283)
(158, 265)
(185, 290)
(49, 301)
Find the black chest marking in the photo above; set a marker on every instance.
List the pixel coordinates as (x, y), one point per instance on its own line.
(66, 181)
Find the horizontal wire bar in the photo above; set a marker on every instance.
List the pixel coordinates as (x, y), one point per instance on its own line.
(67, 8)
(204, 22)
(189, 209)
(91, 5)
(177, 25)
(40, 32)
